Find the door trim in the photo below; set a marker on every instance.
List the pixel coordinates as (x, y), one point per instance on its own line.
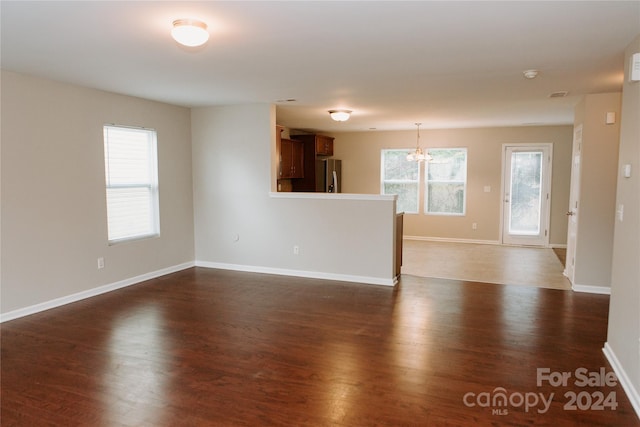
(574, 204)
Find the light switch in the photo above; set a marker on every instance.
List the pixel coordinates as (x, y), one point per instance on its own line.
(634, 64)
(620, 212)
(611, 118)
(626, 171)
(487, 189)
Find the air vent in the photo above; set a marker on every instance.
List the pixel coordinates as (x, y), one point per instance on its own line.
(558, 94)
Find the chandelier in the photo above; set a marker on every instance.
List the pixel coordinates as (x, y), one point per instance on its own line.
(418, 155)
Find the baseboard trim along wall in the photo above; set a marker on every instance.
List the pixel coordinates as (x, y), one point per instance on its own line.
(632, 393)
(447, 240)
(21, 312)
(300, 273)
(478, 242)
(603, 290)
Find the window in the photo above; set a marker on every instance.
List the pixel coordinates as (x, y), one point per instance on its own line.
(401, 177)
(446, 181)
(131, 183)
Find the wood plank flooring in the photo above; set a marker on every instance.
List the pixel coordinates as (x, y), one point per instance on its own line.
(205, 347)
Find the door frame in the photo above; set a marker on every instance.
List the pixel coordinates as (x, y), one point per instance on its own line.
(547, 179)
(574, 204)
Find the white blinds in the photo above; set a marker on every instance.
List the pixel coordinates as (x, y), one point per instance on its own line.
(131, 183)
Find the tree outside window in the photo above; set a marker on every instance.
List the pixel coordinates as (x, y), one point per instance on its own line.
(401, 177)
(446, 181)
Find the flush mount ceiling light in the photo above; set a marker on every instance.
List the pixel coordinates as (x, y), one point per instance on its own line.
(418, 155)
(530, 74)
(340, 115)
(190, 32)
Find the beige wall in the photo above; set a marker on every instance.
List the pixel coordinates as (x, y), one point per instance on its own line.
(240, 225)
(623, 338)
(54, 224)
(598, 172)
(360, 154)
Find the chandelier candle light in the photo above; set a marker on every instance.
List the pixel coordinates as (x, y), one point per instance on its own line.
(418, 155)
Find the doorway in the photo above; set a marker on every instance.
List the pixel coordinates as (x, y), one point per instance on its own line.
(526, 194)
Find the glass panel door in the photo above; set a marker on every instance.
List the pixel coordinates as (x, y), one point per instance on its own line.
(526, 195)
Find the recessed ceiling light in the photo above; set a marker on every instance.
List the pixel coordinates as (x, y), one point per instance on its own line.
(530, 74)
(190, 32)
(559, 94)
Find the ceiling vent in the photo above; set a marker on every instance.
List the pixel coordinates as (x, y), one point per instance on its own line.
(558, 94)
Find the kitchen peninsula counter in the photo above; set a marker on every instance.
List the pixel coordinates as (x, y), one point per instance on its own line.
(340, 236)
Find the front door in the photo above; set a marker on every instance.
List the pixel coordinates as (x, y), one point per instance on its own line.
(526, 188)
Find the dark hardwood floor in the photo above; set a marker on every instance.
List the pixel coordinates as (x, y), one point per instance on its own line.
(206, 347)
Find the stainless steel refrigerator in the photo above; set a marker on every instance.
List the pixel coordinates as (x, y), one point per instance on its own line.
(329, 176)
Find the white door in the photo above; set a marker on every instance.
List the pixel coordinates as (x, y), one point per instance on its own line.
(574, 197)
(526, 188)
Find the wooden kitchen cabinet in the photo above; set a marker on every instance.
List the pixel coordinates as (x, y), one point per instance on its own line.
(320, 145)
(316, 147)
(324, 145)
(291, 159)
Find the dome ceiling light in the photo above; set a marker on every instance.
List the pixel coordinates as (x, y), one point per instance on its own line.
(190, 32)
(340, 115)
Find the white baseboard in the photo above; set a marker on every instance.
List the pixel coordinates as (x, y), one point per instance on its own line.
(603, 290)
(629, 389)
(448, 240)
(299, 273)
(21, 312)
(478, 242)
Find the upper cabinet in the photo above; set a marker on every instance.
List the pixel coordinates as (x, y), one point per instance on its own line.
(290, 155)
(322, 145)
(291, 159)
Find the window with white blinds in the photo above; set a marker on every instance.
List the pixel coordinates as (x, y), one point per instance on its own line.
(131, 161)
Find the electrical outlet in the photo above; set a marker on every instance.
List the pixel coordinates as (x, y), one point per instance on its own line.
(100, 263)
(296, 249)
(474, 226)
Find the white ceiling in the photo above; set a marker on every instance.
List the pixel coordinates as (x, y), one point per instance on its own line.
(445, 64)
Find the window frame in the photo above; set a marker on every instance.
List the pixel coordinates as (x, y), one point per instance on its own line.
(151, 184)
(427, 181)
(384, 181)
